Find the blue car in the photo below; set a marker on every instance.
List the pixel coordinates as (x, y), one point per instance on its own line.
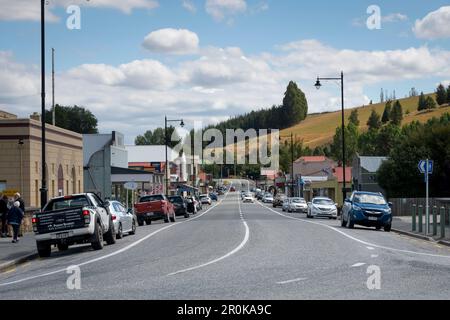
(213, 196)
(367, 209)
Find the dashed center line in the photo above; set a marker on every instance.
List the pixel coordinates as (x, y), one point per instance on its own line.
(359, 264)
(292, 281)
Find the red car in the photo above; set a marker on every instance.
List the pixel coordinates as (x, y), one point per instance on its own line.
(154, 207)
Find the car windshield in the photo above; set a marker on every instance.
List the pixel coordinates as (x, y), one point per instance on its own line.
(67, 203)
(298, 200)
(152, 198)
(369, 199)
(327, 202)
(176, 199)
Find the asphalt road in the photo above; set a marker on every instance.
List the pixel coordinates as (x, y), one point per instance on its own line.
(242, 251)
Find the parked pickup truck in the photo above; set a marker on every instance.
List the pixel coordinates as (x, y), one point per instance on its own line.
(75, 219)
(154, 207)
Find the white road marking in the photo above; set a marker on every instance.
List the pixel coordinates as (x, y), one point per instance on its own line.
(357, 265)
(358, 240)
(373, 256)
(292, 281)
(238, 248)
(370, 248)
(132, 245)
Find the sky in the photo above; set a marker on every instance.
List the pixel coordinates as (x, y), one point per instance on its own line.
(133, 62)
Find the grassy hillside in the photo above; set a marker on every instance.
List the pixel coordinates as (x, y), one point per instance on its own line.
(319, 129)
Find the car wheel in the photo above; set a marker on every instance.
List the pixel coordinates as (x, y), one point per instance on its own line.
(387, 228)
(172, 218)
(148, 222)
(110, 235)
(44, 249)
(63, 247)
(140, 222)
(119, 234)
(97, 243)
(133, 228)
(351, 224)
(343, 222)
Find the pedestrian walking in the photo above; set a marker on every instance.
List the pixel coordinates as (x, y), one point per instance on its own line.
(14, 218)
(18, 197)
(4, 213)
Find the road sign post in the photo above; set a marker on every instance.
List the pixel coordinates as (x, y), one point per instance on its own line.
(426, 167)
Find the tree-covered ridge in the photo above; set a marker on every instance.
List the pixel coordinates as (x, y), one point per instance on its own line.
(293, 110)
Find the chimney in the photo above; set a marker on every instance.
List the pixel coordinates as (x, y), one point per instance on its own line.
(36, 116)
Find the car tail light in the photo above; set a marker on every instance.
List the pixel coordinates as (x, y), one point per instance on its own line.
(87, 216)
(114, 217)
(34, 220)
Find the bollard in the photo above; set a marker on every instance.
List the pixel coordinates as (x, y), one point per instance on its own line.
(442, 222)
(434, 221)
(414, 217)
(420, 219)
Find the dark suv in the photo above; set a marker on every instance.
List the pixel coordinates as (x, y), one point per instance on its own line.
(367, 209)
(180, 206)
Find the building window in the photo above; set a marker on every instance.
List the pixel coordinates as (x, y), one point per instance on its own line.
(36, 192)
(79, 186)
(67, 187)
(2, 186)
(53, 189)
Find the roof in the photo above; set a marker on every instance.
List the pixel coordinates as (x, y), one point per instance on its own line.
(116, 170)
(312, 159)
(371, 164)
(150, 154)
(338, 172)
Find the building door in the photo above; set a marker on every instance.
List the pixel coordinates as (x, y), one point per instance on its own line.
(60, 181)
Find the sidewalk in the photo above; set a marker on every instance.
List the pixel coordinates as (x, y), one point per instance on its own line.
(404, 225)
(12, 254)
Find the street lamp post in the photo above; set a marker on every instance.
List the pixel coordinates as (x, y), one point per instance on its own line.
(166, 121)
(318, 85)
(292, 162)
(43, 189)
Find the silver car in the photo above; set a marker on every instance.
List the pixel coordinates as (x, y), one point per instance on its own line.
(322, 207)
(125, 222)
(298, 205)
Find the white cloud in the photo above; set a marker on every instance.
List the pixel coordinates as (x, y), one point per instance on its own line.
(29, 10)
(434, 25)
(219, 9)
(219, 83)
(189, 6)
(394, 17)
(172, 41)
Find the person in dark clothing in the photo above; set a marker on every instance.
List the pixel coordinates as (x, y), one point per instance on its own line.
(14, 217)
(18, 197)
(3, 213)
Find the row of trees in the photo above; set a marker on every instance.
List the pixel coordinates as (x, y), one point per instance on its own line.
(293, 110)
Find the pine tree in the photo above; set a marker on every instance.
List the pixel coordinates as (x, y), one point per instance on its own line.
(422, 102)
(387, 112)
(441, 95)
(397, 113)
(431, 104)
(448, 94)
(354, 117)
(374, 121)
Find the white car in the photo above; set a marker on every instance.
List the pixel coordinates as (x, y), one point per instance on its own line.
(205, 199)
(298, 205)
(125, 222)
(268, 198)
(248, 198)
(322, 207)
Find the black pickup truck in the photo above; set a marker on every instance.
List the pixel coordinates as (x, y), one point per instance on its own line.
(75, 219)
